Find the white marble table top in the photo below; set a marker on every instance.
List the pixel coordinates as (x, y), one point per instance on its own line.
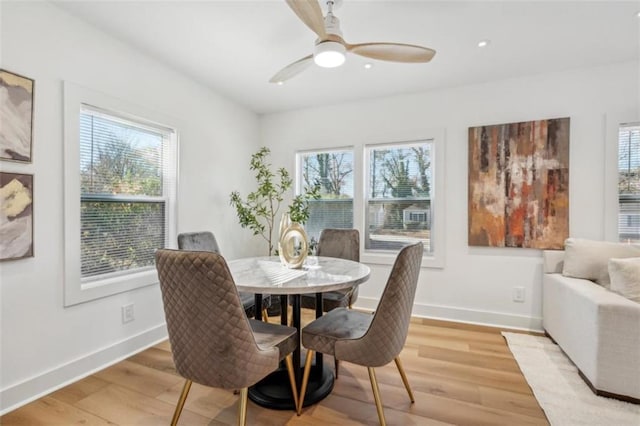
(318, 274)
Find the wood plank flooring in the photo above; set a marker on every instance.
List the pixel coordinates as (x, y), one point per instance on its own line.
(460, 374)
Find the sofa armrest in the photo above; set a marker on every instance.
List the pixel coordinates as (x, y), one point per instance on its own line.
(552, 261)
(598, 329)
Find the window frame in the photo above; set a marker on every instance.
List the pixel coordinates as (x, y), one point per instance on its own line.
(299, 180)
(435, 258)
(76, 289)
(613, 121)
(632, 198)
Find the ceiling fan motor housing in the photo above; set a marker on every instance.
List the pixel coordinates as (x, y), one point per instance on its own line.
(332, 24)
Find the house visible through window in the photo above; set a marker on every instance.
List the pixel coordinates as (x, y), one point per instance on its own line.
(399, 196)
(333, 171)
(629, 183)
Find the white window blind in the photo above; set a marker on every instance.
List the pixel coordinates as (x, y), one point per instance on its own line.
(333, 171)
(629, 183)
(127, 183)
(399, 202)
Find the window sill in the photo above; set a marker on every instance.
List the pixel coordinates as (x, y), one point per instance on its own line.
(373, 258)
(95, 289)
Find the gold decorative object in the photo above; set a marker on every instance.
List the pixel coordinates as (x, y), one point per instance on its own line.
(293, 246)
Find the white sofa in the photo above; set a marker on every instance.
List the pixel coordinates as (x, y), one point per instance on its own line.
(598, 329)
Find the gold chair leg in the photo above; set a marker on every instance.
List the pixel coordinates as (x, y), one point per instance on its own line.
(404, 378)
(292, 379)
(180, 404)
(376, 395)
(242, 407)
(265, 315)
(305, 379)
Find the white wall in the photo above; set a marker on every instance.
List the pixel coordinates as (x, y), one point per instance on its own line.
(43, 344)
(476, 283)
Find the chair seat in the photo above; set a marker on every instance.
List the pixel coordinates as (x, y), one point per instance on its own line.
(268, 335)
(322, 334)
(330, 300)
(248, 302)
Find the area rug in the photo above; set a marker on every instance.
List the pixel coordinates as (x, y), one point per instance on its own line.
(562, 394)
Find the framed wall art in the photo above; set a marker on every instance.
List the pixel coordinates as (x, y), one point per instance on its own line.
(519, 184)
(16, 216)
(16, 110)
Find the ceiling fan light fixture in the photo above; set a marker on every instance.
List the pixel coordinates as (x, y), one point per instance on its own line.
(329, 54)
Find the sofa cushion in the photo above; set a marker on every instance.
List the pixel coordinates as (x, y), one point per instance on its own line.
(625, 277)
(589, 259)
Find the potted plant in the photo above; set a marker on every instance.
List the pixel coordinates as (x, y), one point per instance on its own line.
(259, 210)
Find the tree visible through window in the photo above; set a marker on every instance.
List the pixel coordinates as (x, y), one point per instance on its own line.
(124, 193)
(333, 171)
(399, 202)
(629, 183)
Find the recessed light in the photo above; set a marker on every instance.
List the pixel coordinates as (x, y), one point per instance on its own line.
(368, 65)
(484, 43)
(638, 14)
(280, 83)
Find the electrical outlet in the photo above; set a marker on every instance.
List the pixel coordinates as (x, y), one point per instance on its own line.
(127, 313)
(518, 294)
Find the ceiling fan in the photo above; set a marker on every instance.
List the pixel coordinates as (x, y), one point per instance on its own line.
(330, 47)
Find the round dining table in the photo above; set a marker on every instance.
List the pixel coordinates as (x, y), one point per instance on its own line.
(267, 275)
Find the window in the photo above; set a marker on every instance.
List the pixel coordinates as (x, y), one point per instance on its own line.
(390, 196)
(629, 183)
(399, 196)
(333, 171)
(120, 190)
(123, 199)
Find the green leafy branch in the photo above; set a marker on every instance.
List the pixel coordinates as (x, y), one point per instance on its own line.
(258, 211)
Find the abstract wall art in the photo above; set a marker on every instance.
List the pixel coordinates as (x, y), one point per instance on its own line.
(519, 184)
(16, 114)
(16, 216)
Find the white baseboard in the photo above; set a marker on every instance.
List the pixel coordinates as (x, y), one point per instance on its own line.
(38, 386)
(450, 313)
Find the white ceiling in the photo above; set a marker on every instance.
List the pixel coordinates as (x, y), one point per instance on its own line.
(235, 47)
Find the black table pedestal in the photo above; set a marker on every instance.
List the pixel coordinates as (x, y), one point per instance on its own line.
(274, 391)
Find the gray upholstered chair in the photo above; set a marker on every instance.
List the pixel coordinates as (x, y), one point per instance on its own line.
(365, 339)
(345, 244)
(206, 241)
(212, 341)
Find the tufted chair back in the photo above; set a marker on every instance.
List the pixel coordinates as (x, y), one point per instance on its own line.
(341, 243)
(211, 338)
(198, 241)
(388, 330)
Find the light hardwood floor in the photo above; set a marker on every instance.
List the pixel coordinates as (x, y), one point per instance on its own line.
(460, 374)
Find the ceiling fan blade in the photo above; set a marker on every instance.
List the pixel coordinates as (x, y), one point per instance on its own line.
(310, 13)
(395, 52)
(292, 70)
